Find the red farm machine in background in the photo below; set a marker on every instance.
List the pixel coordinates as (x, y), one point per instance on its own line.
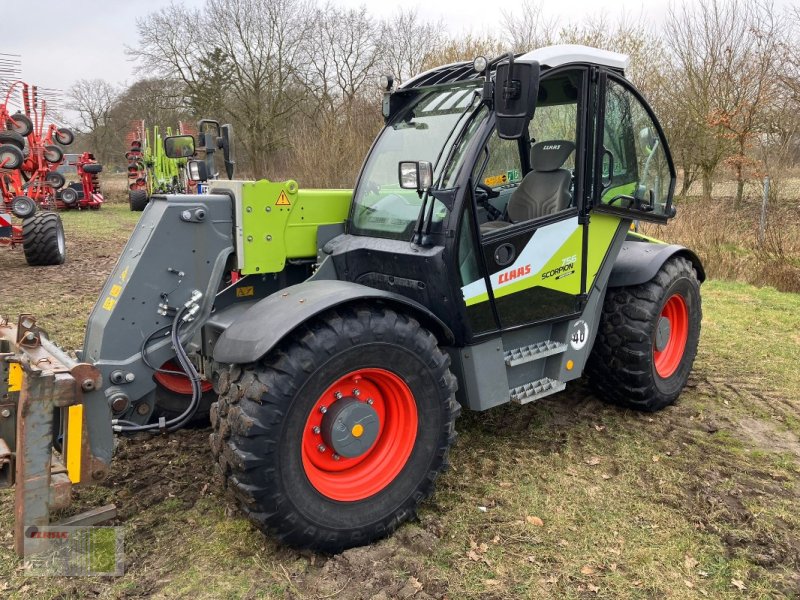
(36, 180)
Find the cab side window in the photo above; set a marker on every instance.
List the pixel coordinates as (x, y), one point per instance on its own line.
(636, 174)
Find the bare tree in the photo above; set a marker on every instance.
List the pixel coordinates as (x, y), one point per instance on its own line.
(93, 100)
(529, 28)
(408, 43)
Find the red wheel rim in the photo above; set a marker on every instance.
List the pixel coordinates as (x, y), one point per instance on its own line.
(178, 383)
(668, 360)
(352, 479)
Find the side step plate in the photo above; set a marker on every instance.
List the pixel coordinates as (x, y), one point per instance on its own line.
(524, 354)
(536, 390)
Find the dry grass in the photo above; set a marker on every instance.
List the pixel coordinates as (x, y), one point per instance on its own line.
(728, 243)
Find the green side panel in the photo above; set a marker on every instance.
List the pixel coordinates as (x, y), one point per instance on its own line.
(626, 189)
(279, 222)
(601, 232)
(645, 238)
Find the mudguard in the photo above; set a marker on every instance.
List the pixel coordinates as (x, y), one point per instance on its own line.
(638, 262)
(268, 321)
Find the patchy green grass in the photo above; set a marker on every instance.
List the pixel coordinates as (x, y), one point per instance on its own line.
(568, 498)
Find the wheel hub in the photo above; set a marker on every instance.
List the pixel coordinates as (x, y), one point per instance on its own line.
(663, 330)
(350, 427)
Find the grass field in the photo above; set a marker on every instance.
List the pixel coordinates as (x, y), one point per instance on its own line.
(567, 498)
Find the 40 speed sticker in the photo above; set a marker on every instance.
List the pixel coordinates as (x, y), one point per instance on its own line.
(580, 335)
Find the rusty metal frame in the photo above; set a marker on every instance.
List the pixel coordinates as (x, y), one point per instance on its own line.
(51, 381)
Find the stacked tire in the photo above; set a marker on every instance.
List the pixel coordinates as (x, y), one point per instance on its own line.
(43, 239)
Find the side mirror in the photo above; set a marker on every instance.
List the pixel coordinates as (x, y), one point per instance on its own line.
(227, 150)
(179, 146)
(197, 170)
(416, 175)
(516, 86)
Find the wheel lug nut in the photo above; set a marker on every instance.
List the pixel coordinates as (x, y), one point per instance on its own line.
(356, 392)
(370, 401)
(316, 430)
(323, 409)
(321, 448)
(336, 457)
(337, 395)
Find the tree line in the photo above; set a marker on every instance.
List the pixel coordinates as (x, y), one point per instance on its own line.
(298, 80)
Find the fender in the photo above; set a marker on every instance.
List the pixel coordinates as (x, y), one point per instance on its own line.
(259, 329)
(638, 262)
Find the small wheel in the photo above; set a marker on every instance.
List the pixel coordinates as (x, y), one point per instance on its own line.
(55, 179)
(12, 138)
(43, 240)
(23, 207)
(69, 196)
(20, 124)
(53, 154)
(93, 168)
(647, 339)
(334, 439)
(11, 157)
(137, 199)
(64, 136)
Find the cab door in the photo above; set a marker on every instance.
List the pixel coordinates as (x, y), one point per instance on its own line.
(534, 267)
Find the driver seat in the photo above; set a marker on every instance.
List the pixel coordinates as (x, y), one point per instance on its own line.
(543, 191)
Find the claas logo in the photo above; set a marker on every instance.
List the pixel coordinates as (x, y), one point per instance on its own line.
(514, 274)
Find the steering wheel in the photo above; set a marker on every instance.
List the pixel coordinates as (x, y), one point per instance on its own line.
(484, 193)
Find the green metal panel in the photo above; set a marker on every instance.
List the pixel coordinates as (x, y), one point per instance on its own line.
(280, 221)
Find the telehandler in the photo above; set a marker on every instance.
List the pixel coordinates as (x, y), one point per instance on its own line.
(485, 256)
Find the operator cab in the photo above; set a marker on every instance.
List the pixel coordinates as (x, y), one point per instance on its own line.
(511, 168)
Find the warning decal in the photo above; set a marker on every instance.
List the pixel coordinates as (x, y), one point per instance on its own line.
(283, 200)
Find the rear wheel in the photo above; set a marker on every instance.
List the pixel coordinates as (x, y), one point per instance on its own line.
(334, 439)
(647, 340)
(43, 239)
(174, 393)
(137, 199)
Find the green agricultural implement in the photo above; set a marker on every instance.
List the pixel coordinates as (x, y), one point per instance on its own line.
(150, 170)
(485, 256)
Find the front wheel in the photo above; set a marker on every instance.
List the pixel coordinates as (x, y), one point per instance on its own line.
(43, 239)
(334, 438)
(647, 339)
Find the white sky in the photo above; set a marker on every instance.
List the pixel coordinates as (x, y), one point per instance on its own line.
(85, 39)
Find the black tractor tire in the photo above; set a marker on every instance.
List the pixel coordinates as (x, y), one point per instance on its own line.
(69, 196)
(11, 157)
(64, 136)
(261, 431)
(55, 179)
(43, 239)
(23, 207)
(93, 168)
(13, 138)
(647, 339)
(53, 154)
(137, 199)
(20, 124)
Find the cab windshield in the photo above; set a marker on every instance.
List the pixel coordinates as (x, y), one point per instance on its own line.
(424, 131)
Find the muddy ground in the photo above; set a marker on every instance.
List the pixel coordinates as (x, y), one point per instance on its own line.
(568, 498)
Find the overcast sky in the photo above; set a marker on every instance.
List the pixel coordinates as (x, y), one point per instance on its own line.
(75, 39)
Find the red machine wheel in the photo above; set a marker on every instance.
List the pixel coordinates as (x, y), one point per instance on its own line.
(55, 179)
(20, 124)
(53, 154)
(388, 403)
(64, 136)
(11, 157)
(306, 453)
(671, 335)
(69, 196)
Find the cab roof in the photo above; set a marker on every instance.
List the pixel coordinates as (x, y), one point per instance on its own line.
(548, 56)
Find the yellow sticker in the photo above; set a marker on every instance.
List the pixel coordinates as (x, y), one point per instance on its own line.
(115, 290)
(124, 275)
(283, 200)
(109, 303)
(14, 377)
(244, 291)
(496, 180)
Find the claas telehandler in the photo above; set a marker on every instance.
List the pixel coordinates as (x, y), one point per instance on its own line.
(485, 256)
